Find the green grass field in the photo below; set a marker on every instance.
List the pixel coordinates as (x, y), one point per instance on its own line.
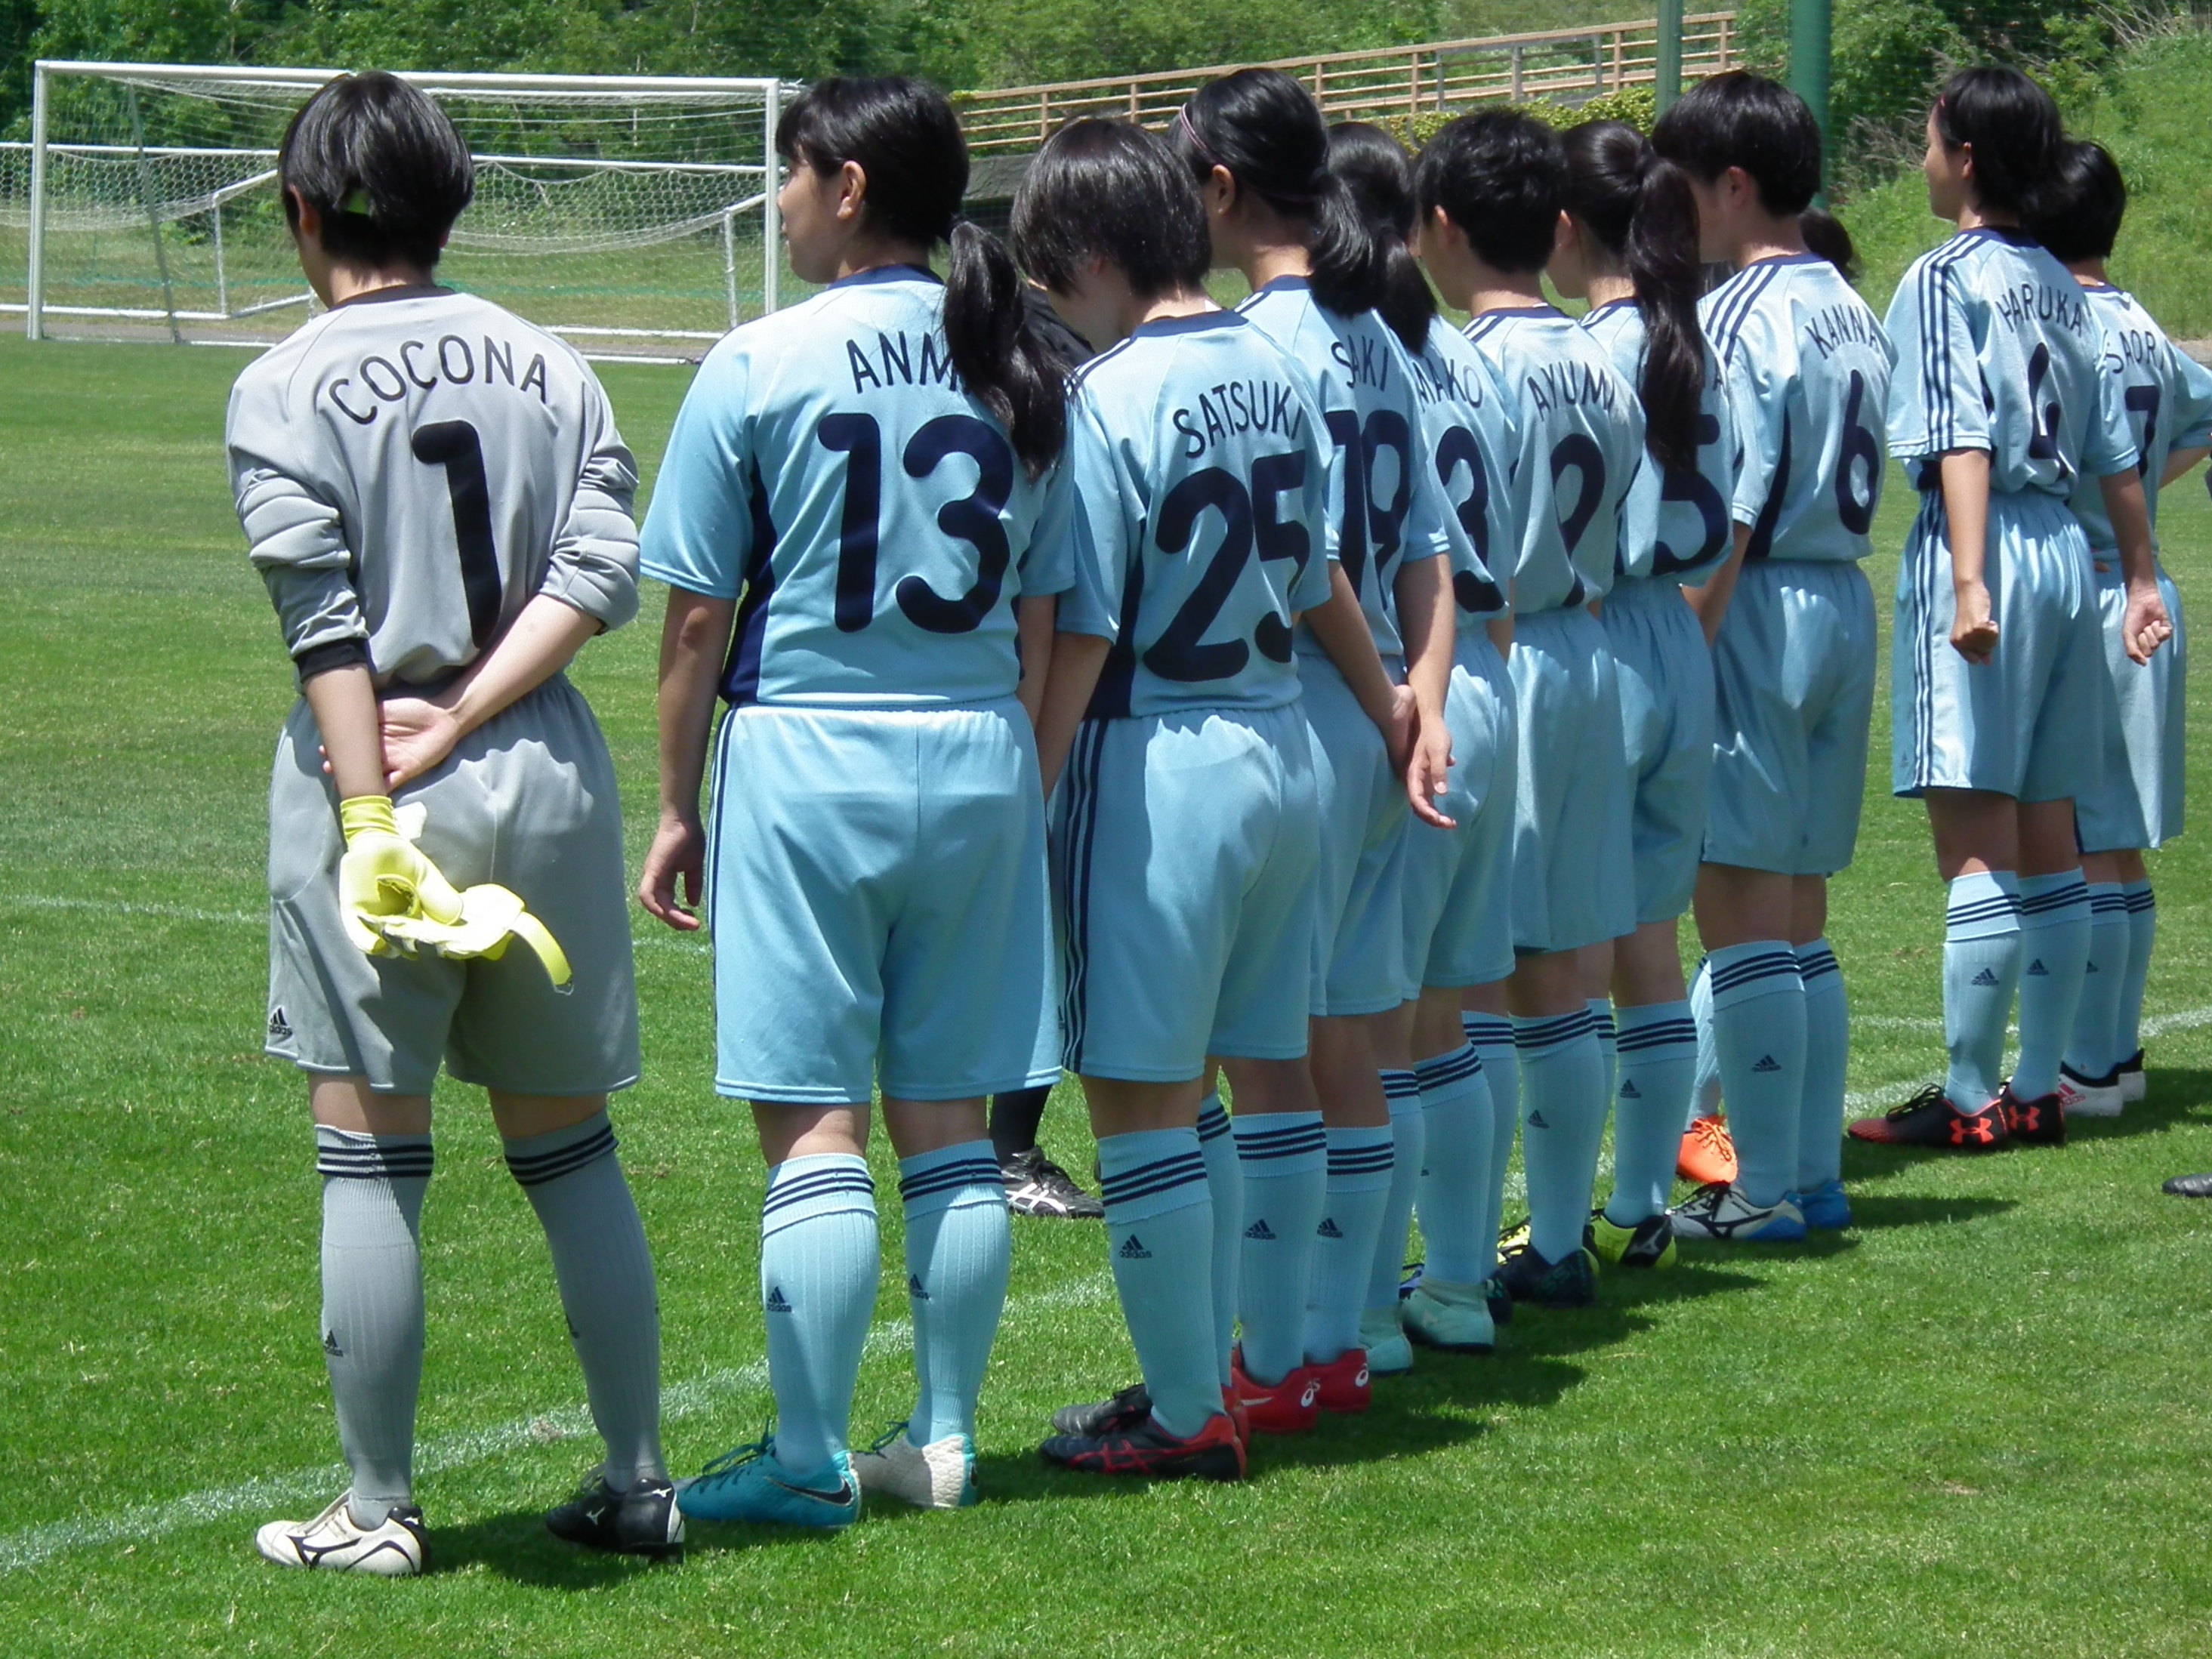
(1976, 1422)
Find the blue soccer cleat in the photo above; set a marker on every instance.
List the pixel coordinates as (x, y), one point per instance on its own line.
(749, 1484)
(1824, 1207)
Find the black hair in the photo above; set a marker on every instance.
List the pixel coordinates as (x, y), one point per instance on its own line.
(2014, 126)
(1744, 120)
(1374, 166)
(1266, 131)
(1826, 236)
(2083, 209)
(1107, 189)
(902, 135)
(1637, 205)
(1501, 177)
(381, 166)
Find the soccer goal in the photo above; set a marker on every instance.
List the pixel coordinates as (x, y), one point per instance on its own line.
(635, 215)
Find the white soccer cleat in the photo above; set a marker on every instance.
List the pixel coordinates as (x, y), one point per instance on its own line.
(2132, 1081)
(1724, 1215)
(939, 1476)
(1382, 1333)
(333, 1542)
(2085, 1096)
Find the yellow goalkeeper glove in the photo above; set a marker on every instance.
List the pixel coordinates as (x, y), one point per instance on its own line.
(491, 916)
(384, 876)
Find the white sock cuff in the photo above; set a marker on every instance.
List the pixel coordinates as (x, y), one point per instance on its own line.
(1748, 973)
(2057, 901)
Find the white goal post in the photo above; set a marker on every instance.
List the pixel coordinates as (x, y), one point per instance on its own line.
(633, 214)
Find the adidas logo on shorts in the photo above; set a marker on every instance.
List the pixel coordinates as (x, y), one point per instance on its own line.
(278, 1025)
(2037, 970)
(1133, 1249)
(1329, 1228)
(1767, 1063)
(913, 1288)
(1985, 977)
(1261, 1230)
(331, 1345)
(775, 1304)
(1537, 1121)
(1628, 1091)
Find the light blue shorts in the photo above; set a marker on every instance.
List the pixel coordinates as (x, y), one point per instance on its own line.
(2139, 803)
(876, 883)
(1666, 674)
(1359, 933)
(1184, 847)
(2029, 722)
(1793, 699)
(1459, 883)
(1573, 881)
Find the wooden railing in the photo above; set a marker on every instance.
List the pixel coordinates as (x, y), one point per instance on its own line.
(1569, 65)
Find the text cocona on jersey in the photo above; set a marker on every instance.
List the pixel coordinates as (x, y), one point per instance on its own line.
(390, 377)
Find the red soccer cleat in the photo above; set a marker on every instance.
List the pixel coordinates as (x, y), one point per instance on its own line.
(1150, 1452)
(1290, 1406)
(1930, 1119)
(1343, 1382)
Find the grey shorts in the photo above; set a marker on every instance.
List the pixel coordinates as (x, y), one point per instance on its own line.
(527, 800)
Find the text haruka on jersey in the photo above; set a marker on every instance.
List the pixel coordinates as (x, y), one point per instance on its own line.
(447, 361)
(2024, 302)
(1565, 386)
(1239, 406)
(1830, 331)
(902, 364)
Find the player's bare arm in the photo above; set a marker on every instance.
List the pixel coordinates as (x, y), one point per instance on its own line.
(1966, 484)
(692, 640)
(1077, 659)
(2146, 626)
(1428, 626)
(419, 733)
(1341, 627)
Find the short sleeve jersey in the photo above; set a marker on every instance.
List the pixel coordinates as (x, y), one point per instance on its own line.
(829, 466)
(1674, 525)
(1997, 351)
(1381, 509)
(412, 467)
(2164, 394)
(1200, 475)
(1806, 365)
(1467, 435)
(1580, 433)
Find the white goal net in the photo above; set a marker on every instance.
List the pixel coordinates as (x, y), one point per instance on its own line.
(633, 215)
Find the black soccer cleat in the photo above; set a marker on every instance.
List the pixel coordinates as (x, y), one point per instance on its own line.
(1930, 1119)
(643, 1521)
(1570, 1282)
(1124, 1412)
(2040, 1122)
(2196, 1186)
(1035, 1186)
(1150, 1452)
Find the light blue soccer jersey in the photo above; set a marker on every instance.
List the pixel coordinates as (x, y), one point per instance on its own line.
(2164, 394)
(1382, 508)
(1673, 524)
(1580, 433)
(1998, 351)
(1468, 434)
(1200, 475)
(1807, 367)
(828, 464)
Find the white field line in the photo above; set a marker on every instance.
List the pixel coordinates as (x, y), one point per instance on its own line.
(269, 1496)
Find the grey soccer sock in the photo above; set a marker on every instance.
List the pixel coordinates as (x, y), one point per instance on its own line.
(373, 1187)
(574, 1182)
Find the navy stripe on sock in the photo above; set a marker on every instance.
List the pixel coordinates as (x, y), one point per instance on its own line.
(946, 1177)
(2145, 900)
(1767, 964)
(2058, 899)
(1658, 1034)
(1162, 1175)
(824, 1183)
(1551, 1033)
(1361, 1160)
(372, 1163)
(1447, 1069)
(1213, 1122)
(2111, 903)
(1488, 1031)
(1261, 1143)
(1400, 1085)
(1988, 910)
(536, 1169)
(1812, 967)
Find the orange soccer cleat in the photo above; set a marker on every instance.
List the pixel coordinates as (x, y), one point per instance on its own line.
(1708, 1156)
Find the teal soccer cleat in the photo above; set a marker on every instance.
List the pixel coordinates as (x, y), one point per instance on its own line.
(749, 1484)
(1824, 1207)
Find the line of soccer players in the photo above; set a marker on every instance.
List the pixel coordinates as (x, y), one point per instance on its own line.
(1315, 697)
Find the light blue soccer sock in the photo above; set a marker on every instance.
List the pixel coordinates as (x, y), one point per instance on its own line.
(1408, 1149)
(2092, 1048)
(2054, 953)
(958, 1249)
(1609, 1041)
(1225, 1180)
(371, 1317)
(1159, 1232)
(1344, 1239)
(1454, 1180)
(1658, 1049)
(574, 1179)
(2143, 934)
(1492, 1037)
(1284, 1158)
(1981, 969)
(1758, 1032)
(1827, 1053)
(1705, 1086)
(1562, 1124)
(818, 1274)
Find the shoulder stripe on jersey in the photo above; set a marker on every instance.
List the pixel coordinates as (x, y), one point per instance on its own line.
(1936, 389)
(1483, 326)
(1732, 316)
(1082, 371)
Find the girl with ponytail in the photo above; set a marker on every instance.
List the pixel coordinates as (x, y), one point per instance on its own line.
(1629, 246)
(858, 516)
(1255, 145)
(1458, 893)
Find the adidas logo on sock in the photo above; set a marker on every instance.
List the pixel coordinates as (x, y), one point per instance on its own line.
(1985, 977)
(775, 1304)
(2037, 970)
(331, 1345)
(913, 1288)
(1133, 1249)
(2090, 968)
(1630, 1091)
(1767, 1063)
(278, 1025)
(1329, 1228)
(1537, 1121)
(1261, 1230)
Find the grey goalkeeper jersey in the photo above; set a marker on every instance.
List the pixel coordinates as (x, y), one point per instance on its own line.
(412, 469)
